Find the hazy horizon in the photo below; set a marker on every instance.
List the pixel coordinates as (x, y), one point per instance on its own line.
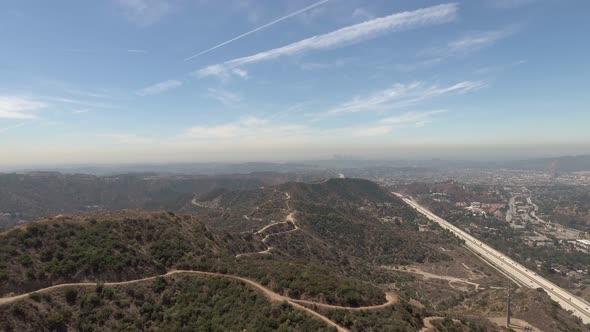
(474, 154)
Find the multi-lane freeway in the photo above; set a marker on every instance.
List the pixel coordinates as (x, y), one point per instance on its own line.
(515, 271)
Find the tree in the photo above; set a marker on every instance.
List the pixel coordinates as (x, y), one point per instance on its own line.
(71, 296)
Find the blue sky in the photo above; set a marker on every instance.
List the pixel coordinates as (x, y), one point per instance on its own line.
(179, 80)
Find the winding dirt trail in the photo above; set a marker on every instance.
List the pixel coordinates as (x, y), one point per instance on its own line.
(429, 327)
(428, 275)
(263, 252)
(289, 220)
(269, 226)
(195, 203)
(392, 298)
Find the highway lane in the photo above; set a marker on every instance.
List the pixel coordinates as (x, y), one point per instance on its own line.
(511, 268)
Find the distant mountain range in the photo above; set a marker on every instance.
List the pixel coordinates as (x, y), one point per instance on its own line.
(559, 164)
(325, 168)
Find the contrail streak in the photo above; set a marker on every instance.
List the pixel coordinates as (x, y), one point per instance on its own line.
(310, 7)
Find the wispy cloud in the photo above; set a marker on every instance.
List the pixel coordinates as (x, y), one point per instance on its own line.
(241, 73)
(247, 127)
(471, 42)
(465, 45)
(400, 95)
(478, 40)
(267, 25)
(498, 68)
(221, 72)
(136, 51)
(359, 104)
(68, 88)
(15, 107)
(418, 119)
(159, 88)
(345, 36)
(225, 97)
(254, 129)
(326, 65)
(77, 102)
(390, 124)
(145, 12)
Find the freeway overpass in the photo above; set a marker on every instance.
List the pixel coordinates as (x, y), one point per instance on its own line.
(515, 271)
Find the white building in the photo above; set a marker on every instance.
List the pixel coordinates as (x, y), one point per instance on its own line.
(584, 244)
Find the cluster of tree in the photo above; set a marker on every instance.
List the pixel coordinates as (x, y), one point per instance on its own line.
(335, 192)
(306, 280)
(455, 191)
(447, 324)
(177, 303)
(401, 317)
(135, 245)
(566, 205)
(114, 247)
(361, 234)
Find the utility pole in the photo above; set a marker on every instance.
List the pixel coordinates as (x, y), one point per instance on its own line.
(508, 309)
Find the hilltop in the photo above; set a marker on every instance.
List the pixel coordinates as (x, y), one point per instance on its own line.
(340, 219)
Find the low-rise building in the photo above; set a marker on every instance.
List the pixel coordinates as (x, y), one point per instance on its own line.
(584, 244)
